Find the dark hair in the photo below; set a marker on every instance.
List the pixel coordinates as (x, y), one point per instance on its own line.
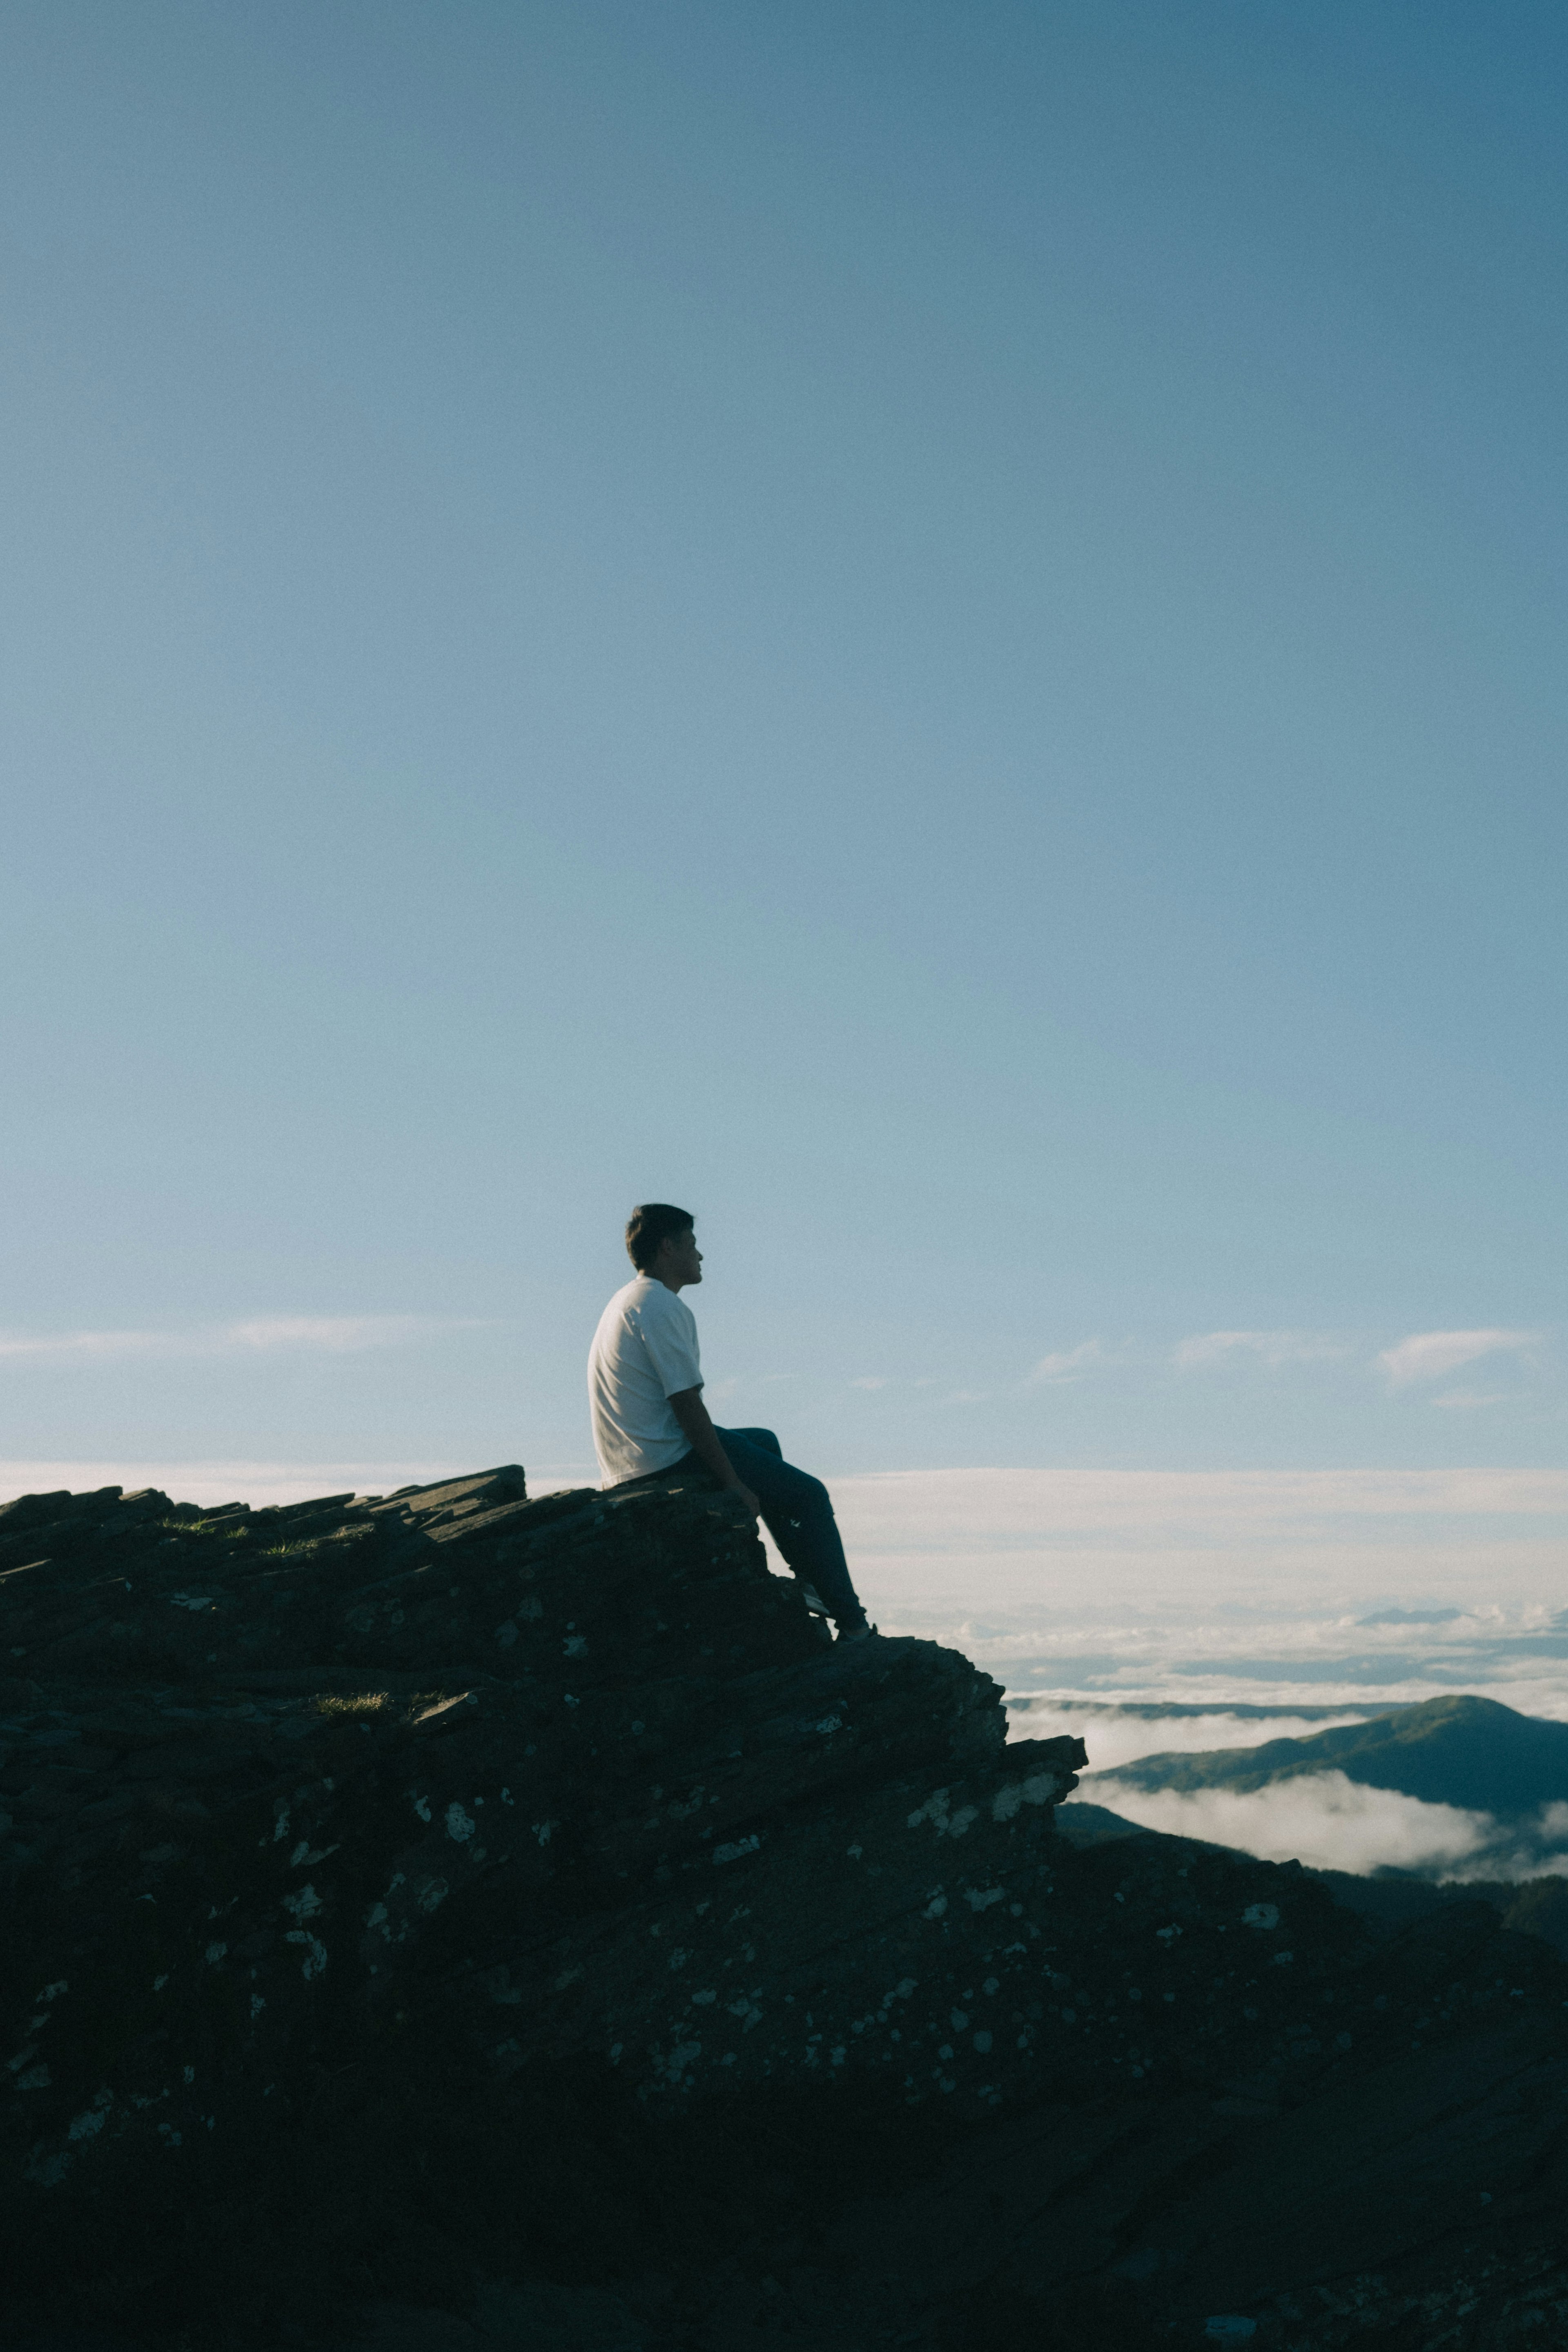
(647, 1228)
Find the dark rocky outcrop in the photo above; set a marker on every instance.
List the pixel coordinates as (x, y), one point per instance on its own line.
(465, 1920)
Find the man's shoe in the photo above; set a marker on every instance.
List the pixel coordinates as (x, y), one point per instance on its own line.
(812, 1598)
(859, 1633)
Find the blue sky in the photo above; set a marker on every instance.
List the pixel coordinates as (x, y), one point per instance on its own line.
(935, 631)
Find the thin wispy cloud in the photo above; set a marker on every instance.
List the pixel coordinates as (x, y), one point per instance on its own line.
(259, 1483)
(974, 1506)
(1068, 1366)
(80, 1347)
(1422, 1356)
(1432, 1355)
(1265, 1346)
(1217, 1585)
(334, 1334)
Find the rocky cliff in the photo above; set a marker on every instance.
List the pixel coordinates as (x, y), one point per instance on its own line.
(518, 1914)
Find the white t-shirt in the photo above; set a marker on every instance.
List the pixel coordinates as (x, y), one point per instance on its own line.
(644, 1352)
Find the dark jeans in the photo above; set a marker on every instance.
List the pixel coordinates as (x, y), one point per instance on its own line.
(798, 1516)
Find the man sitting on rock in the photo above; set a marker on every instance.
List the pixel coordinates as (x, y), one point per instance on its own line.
(645, 1387)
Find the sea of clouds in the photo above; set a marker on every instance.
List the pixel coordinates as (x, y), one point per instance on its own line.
(1102, 1598)
(1273, 1590)
(1104, 1601)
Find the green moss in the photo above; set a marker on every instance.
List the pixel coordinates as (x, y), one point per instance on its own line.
(217, 1530)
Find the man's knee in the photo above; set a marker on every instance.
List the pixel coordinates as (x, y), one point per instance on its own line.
(762, 1439)
(808, 1494)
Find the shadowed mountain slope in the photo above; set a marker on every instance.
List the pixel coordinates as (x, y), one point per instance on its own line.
(1391, 1898)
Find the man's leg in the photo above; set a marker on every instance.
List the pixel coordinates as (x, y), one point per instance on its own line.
(763, 1437)
(799, 1517)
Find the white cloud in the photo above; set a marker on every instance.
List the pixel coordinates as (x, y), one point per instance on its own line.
(329, 1334)
(1430, 1355)
(83, 1347)
(261, 1482)
(1068, 1366)
(1322, 1819)
(226, 1481)
(983, 1508)
(1330, 1822)
(1216, 1586)
(337, 1334)
(1268, 1346)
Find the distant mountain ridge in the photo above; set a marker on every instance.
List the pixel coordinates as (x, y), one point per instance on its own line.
(1163, 1710)
(1473, 1753)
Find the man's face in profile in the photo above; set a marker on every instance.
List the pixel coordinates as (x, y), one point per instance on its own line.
(680, 1260)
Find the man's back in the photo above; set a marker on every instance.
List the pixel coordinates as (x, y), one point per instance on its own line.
(644, 1352)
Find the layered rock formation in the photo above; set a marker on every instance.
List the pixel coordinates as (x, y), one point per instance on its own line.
(521, 1908)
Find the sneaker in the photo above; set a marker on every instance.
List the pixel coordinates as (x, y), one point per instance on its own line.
(859, 1633)
(812, 1598)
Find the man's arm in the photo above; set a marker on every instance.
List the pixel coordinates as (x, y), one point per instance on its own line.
(697, 1424)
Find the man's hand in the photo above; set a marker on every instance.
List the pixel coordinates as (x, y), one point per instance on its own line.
(697, 1424)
